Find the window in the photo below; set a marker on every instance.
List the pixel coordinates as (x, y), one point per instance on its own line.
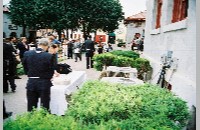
(158, 15)
(179, 10)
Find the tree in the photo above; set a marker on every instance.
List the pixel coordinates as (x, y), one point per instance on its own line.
(90, 15)
(22, 13)
(101, 14)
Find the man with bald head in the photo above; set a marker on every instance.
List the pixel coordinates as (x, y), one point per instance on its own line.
(39, 67)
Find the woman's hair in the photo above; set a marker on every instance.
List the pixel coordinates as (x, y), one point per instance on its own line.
(22, 38)
(54, 46)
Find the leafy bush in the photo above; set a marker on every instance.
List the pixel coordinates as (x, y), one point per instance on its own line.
(42, 120)
(122, 59)
(20, 69)
(132, 107)
(121, 44)
(142, 65)
(103, 106)
(129, 54)
(105, 59)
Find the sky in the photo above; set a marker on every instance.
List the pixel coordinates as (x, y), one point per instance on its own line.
(130, 7)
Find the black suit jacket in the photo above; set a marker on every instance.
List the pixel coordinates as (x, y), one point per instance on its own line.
(38, 64)
(22, 49)
(89, 47)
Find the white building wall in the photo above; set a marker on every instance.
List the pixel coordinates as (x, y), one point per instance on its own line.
(6, 23)
(132, 29)
(179, 37)
(121, 32)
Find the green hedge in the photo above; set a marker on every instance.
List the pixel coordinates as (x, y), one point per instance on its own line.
(108, 59)
(121, 44)
(133, 107)
(120, 59)
(20, 69)
(103, 106)
(129, 54)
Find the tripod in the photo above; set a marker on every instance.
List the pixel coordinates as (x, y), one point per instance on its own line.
(161, 79)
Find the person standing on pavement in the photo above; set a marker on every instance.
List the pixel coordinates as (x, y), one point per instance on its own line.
(13, 41)
(90, 49)
(9, 67)
(53, 49)
(64, 47)
(52, 39)
(38, 65)
(70, 46)
(77, 50)
(22, 46)
(100, 47)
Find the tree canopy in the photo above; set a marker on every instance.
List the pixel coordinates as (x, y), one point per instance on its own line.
(67, 14)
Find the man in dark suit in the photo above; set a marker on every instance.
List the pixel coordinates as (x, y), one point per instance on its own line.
(38, 65)
(22, 46)
(9, 67)
(90, 49)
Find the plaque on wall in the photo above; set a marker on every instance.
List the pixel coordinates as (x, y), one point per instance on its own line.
(12, 27)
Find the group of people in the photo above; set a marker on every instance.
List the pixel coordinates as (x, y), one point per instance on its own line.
(137, 44)
(12, 54)
(39, 65)
(70, 47)
(104, 47)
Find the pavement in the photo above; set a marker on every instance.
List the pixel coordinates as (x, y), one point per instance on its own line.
(16, 102)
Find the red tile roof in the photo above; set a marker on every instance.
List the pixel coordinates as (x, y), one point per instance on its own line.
(137, 17)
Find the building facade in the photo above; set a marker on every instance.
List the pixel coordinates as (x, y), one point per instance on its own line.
(171, 32)
(9, 28)
(135, 25)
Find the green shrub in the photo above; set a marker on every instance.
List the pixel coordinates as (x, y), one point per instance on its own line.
(20, 69)
(42, 120)
(141, 107)
(104, 106)
(142, 65)
(121, 44)
(105, 59)
(129, 54)
(122, 59)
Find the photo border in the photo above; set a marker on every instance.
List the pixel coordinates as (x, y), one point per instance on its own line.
(197, 63)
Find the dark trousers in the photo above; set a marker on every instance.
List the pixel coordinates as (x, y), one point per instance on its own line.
(33, 96)
(89, 62)
(11, 80)
(78, 55)
(38, 88)
(9, 69)
(70, 53)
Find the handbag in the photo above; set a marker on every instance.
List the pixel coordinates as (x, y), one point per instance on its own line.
(63, 68)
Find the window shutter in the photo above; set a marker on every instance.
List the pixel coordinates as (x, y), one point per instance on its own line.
(158, 16)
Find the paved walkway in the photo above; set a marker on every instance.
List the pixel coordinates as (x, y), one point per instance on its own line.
(16, 102)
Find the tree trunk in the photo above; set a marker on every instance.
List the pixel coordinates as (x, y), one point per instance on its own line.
(24, 31)
(59, 35)
(72, 33)
(84, 32)
(67, 33)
